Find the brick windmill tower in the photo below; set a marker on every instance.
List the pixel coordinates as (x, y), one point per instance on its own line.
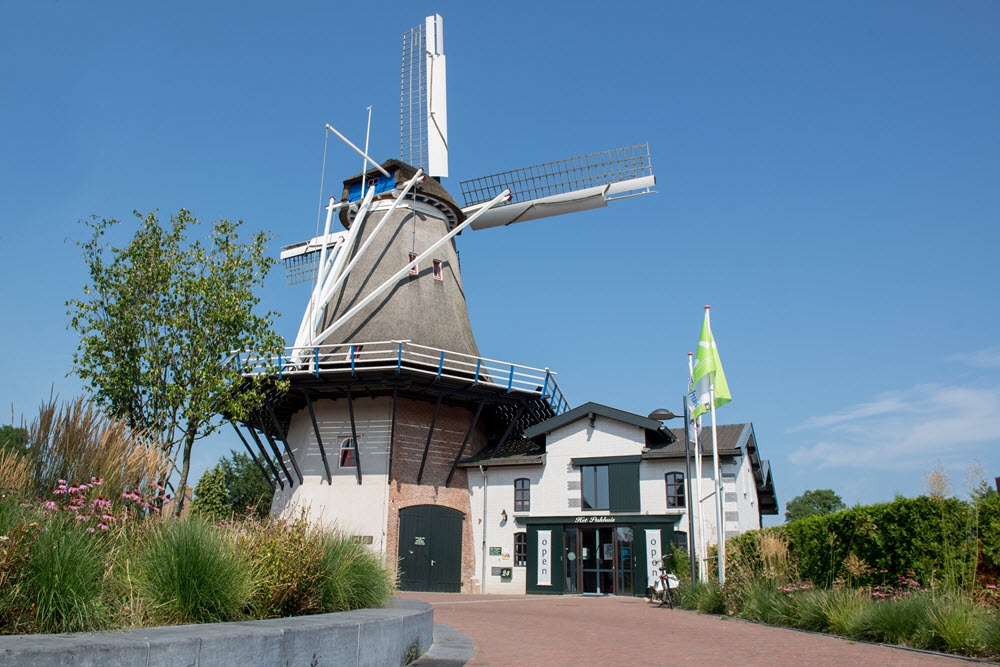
(388, 389)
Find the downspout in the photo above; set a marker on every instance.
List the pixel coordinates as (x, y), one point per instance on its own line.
(486, 489)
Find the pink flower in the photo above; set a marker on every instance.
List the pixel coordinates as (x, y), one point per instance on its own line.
(50, 505)
(102, 526)
(62, 482)
(90, 530)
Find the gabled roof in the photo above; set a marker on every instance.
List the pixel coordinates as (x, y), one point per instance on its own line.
(656, 433)
(734, 440)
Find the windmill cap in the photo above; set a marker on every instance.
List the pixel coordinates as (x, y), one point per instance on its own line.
(428, 190)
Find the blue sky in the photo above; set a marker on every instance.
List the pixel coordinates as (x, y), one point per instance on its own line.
(828, 180)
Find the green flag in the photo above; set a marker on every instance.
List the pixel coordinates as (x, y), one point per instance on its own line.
(707, 365)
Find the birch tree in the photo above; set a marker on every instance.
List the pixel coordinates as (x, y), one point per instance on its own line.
(159, 320)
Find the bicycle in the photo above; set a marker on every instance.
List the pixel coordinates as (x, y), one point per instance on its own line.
(660, 590)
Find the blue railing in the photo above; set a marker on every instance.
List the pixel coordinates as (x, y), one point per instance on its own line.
(400, 356)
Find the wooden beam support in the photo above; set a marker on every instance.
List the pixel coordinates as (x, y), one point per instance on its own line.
(284, 439)
(354, 435)
(392, 430)
(319, 440)
(246, 444)
(430, 434)
(274, 448)
(468, 434)
(506, 434)
(263, 453)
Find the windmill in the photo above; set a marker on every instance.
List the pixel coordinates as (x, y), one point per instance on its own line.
(388, 392)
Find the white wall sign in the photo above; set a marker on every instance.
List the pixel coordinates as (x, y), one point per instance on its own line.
(545, 558)
(653, 555)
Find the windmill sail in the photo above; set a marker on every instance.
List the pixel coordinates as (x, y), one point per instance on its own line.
(565, 186)
(423, 102)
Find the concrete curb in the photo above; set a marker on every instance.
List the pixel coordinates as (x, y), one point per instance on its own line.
(385, 636)
(451, 648)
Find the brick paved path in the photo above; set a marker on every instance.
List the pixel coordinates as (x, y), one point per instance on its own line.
(555, 630)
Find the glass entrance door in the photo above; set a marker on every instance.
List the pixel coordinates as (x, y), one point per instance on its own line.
(597, 556)
(571, 560)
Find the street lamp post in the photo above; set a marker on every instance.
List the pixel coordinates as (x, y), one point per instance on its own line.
(662, 414)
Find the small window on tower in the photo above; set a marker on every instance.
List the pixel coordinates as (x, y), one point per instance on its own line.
(348, 457)
(438, 271)
(413, 269)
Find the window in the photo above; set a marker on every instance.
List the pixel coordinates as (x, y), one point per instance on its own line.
(609, 483)
(594, 482)
(522, 495)
(438, 271)
(348, 457)
(414, 270)
(675, 489)
(520, 549)
(680, 540)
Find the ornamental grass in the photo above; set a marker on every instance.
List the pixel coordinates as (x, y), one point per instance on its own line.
(191, 572)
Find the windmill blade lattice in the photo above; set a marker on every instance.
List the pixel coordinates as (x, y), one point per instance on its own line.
(564, 186)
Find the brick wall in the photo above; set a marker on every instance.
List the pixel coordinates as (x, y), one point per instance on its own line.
(413, 419)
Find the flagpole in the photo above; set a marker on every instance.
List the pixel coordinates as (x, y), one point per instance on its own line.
(700, 513)
(692, 552)
(719, 495)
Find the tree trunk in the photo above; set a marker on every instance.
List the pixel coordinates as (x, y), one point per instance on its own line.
(181, 498)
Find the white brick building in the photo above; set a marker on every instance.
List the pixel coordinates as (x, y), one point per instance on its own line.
(586, 501)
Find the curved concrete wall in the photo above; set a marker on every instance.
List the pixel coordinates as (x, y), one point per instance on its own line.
(363, 637)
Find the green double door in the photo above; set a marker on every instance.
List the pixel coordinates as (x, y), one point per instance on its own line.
(430, 549)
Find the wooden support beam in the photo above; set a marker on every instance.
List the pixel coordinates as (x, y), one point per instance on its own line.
(430, 434)
(319, 440)
(354, 435)
(246, 444)
(392, 428)
(506, 434)
(274, 448)
(472, 426)
(284, 439)
(263, 453)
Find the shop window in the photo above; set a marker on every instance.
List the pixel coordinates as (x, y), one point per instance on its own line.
(522, 495)
(520, 549)
(348, 456)
(594, 483)
(414, 270)
(675, 489)
(438, 270)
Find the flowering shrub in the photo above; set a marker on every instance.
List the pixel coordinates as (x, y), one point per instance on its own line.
(905, 585)
(791, 589)
(96, 512)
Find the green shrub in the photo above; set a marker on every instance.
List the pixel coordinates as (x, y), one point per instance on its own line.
(897, 621)
(956, 626)
(353, 576)
(809, 611)
(845, 611)
(762, 601)
(190, 572)
(63, 577)
(991, 635)
(928, 538)
(287, 566)
(701, 596)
